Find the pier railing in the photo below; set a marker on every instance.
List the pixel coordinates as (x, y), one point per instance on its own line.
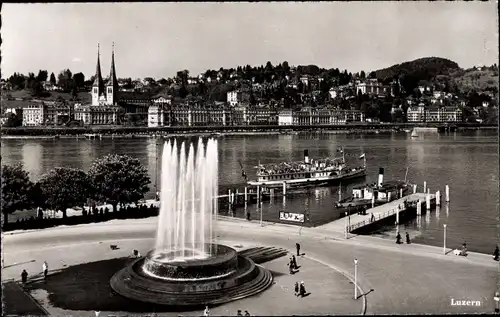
(379, 216)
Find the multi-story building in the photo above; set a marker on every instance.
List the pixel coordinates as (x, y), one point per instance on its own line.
(33, 115)
(372, 87)
(233, 97)
(433, 113)
(322, 116)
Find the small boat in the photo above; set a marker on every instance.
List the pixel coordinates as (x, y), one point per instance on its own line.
(414, 134)
(379, 193)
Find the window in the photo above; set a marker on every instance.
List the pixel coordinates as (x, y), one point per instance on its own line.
(110, 90)
(95, 90)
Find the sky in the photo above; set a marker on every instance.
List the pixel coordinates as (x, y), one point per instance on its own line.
(158, 39)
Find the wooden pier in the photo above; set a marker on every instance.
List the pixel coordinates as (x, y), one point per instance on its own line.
(383, 212)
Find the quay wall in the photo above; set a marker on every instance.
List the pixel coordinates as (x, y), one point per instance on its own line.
(121, 130)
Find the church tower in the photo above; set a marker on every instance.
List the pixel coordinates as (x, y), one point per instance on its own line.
(112, 85)
(98, 86)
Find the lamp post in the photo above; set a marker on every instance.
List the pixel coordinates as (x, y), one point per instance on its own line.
(444, 245)
(260, 207)
(346, 226)
(355, 278)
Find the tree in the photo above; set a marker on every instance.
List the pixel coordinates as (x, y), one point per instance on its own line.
(119, 179)
(79, 80)
(37, 89)
(16, 190)
(63, 188)
(65, 80)
(52, 79)
(362, 74)
(13, 120)
(42, 76)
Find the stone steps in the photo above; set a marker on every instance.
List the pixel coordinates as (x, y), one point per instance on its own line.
(261, 255)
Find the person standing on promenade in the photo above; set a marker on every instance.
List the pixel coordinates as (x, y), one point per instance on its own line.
(247, 313)
(294, 262)
(496, 253)
(297, 246)
(398, 238)
(24, 277)
(296, 288)
(239, 313)
(206, 312)
(407, 238)
(45, 268)
(302, 289)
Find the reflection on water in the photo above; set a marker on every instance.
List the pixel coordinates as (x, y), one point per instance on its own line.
(467, 161)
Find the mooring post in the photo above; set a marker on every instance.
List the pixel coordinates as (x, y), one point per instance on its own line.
(447, 192)
(425, 187)
(246, 194)
(400, 193)
(419, 207)
(258, 193)
(284, 188)
(428, 191)
(414, 188)
(438, 198)
(389, 196)
(229, 196)
(373, 201)
(428, 202)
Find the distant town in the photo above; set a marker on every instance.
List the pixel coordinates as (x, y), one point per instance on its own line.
(427, 90)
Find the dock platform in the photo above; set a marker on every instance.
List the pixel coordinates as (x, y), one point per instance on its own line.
(356, 221)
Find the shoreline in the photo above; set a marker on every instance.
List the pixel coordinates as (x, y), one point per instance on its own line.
(163, 134)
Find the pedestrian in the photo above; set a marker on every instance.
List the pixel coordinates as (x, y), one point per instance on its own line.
(297, 246)
(45, 268)
(302, 289)
(24, 276)
(247, 313)
(398, 238)
(157, 196)
(290, 267)
(372, 217)
(206, 312)
(248, 215)
(407, 238)
(496, 253)
(239, 313)
(294, 262)
(296, 288)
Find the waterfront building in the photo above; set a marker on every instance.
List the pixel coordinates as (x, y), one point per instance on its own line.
(33, 115)
(319, 116)
(104, 108)
(433, 113)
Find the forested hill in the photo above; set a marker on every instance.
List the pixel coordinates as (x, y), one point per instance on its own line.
(422, 69)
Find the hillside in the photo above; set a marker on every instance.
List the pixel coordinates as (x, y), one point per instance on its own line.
(480, 80)
(421, 69)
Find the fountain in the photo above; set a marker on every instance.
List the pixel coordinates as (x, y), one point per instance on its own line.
(186, 267)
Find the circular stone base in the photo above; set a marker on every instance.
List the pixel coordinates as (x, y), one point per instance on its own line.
(188, 284)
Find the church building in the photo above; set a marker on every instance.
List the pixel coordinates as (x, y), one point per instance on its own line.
(104, 109)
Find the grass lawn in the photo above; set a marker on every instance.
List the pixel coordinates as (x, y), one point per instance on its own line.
(86, 287)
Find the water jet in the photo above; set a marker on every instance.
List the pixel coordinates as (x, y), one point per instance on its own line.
(186, 267)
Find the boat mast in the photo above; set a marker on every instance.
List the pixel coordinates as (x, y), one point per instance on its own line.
(406, 174)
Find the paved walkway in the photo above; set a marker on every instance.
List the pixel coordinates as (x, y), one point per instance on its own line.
(403, 278)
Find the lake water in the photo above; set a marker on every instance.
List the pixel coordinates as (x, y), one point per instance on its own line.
(467, 161)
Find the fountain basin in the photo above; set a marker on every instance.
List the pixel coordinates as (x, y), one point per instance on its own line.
(220, 261)
(243, 280)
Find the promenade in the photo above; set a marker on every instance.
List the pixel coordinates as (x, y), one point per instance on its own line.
(396, 279)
